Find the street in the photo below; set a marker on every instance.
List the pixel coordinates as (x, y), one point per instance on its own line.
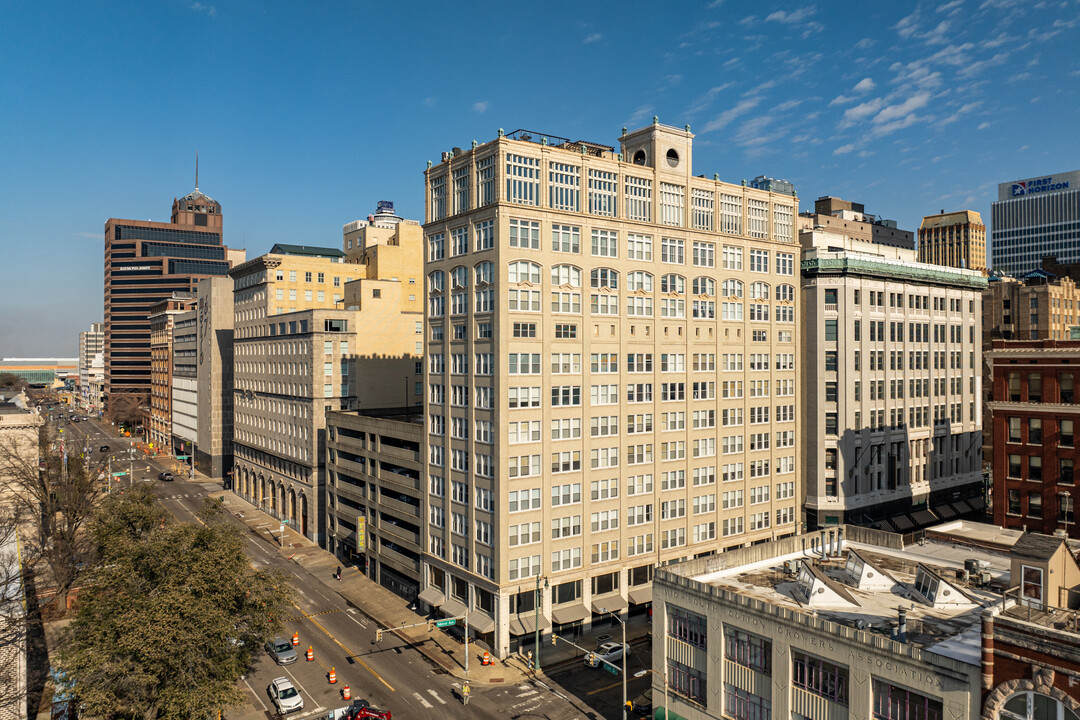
(391, 675)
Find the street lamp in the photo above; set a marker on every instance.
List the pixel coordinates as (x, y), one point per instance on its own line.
(536, 657)
(624, 653)
(663, 677)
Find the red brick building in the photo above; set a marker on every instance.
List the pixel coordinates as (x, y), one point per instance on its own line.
(1030, 642)
(1035, 415)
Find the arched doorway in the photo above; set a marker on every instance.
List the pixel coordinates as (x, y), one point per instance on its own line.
(262, 491)
(303, 514)
(292, 507)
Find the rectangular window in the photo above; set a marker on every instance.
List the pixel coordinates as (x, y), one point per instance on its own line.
(672, 204)
(638, 199)
(820, 677)
(522, 179)
(672, 251)
(602, 192)
(525, 234)
(564, 186)
(702, 209)
(605, 243)
(566, 238)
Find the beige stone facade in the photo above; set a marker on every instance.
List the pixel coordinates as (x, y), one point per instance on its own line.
(955, 239)
(611, 374)
(314, 333)
(214, 372)
(892, 354)
(162, 321)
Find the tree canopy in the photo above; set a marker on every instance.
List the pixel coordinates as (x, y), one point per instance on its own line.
(172, 617)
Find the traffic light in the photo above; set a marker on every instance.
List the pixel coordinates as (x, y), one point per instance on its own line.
(378, 636)
(554, 637)
(430, 625)
(592, 658)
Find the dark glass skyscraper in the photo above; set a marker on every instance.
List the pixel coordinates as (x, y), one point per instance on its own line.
(146, 262)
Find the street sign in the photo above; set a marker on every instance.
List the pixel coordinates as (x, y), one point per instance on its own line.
(445, 623)
(611, 669)
(181, 457)
(119, 474)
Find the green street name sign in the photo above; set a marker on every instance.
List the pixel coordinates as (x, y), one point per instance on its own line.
(611, 669)
(445, 623)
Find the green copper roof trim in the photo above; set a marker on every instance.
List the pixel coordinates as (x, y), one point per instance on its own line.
(841, 266)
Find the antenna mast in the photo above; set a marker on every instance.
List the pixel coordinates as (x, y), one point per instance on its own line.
(196, 170)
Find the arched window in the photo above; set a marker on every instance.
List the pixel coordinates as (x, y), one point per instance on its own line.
(484, 273)
(785, 292)
(732, 288)
(459, 277)
(566, 275)
(673, 284)
(1029, 705)
(704, 286)
(604, 277)
(524, 271)
(759, 291)
(639, 281)
(436, 281)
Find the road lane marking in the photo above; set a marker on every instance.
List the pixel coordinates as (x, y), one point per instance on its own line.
(436, 696)
(358, 622)
(600, 690)
(528, 693)
(296, 682)
(423, 702)
(349, 652)
(257, 698)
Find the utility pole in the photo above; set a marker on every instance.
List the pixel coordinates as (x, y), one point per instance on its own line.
(625, 652)
(536, 658)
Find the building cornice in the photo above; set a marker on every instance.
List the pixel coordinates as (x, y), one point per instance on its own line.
(1032, 407)
(838, 264)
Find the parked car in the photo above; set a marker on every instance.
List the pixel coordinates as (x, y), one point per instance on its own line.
(281, 650)
(610, 652)
(166, 476)
(286, 698)
(104, 448)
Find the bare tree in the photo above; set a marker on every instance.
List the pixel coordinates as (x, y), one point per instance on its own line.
(127, 408)
(54, 493)
(13, 619)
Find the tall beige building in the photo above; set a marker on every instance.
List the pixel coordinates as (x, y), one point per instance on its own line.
(954, 239)
(611, 374)
(892, 353)
(315, 333)
(162, 321)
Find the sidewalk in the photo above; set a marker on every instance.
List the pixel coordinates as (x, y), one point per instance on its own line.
(390, 610)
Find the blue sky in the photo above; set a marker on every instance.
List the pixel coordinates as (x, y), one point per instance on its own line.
(304, 115)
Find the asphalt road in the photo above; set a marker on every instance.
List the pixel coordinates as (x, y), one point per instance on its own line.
(399, 679)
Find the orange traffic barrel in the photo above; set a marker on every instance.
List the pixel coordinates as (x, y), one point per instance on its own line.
(295, 638)
(333, 676)
(345, 694)
(310, 654)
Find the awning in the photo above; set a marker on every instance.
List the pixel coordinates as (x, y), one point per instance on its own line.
(480, 622)
(641, 595)
(947, 512)
(884, 525)
(526, 623)
(609, 603)
(569, 614)
(977, 503)
(924, 517)
(902, 522)
(453, 608)
(962, 507)
(432, 596)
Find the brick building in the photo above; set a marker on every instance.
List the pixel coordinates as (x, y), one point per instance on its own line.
(1034, 418)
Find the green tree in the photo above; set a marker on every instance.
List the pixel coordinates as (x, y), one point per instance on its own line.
(171, 618)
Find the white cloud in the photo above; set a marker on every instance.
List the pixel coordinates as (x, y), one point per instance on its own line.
(864, 85)
(715, 4)
(892, 112)
(843, 149)
(978, 66)
(950, 7)
(480, 106)
(90, 235)
(793, 17)
(703, 102)
(983, 126)
(595, 37)
(787, 105)
(891, 127)
(864, 44)
(725, 118)
(939, 35)
(203, 8)
(748, 20)
(640, 115)
(431, 101)
(861, 111)
(841, 100)
(908, 25)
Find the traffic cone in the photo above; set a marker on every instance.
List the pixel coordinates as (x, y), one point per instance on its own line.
(486, 660)
(345, 694)
(333, 676)
(295, 639)
(310, 654)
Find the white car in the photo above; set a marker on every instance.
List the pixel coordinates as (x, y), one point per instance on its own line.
(286, 698)
(611, 652)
